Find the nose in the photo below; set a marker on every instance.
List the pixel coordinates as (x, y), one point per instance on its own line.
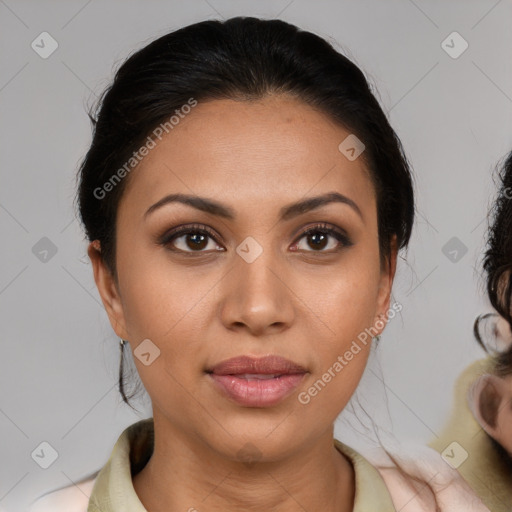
(257, 297)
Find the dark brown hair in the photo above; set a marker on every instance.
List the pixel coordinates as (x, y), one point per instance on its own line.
(498, 269)
(498, 265)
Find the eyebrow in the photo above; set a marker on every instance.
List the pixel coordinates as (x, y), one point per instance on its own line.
(286, 213)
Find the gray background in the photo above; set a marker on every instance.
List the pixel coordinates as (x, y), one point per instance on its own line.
(58, 370)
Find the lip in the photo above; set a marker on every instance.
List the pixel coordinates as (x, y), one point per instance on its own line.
(230, 377)
(263, 365)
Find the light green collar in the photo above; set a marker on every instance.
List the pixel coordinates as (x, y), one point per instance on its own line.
(113, 489)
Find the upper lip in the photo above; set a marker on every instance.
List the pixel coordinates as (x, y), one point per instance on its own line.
(261, 366)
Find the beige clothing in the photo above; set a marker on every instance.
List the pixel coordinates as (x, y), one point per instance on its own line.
(111, 490)
(487, 475)
(383, 488)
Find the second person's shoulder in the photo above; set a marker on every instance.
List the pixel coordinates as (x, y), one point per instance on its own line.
(73, 498)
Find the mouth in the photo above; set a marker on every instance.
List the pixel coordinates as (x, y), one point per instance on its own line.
(256, 382)
(257, 376)
(257, 390)
(248, 365)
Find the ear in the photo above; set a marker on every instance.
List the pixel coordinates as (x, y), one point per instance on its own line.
(503, 334)
(387, 275)
(108, 290)
(487, 395)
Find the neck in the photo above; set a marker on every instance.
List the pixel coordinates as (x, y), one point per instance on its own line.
(186, 474)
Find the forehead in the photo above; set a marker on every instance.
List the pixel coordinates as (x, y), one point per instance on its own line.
(277, 149)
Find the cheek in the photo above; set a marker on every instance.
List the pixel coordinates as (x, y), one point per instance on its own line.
(157, 294)
(350, 297)
(342, 342)
(163, 304)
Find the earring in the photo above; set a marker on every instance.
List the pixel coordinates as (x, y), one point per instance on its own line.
(121, 386)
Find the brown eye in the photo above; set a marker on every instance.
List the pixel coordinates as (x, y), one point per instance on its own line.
(317, 238)
(195, 241)
(190, 239)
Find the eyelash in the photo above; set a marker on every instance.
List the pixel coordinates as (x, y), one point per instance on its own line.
(322, 228)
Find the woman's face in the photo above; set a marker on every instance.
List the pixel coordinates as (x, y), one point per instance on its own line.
(254, 285)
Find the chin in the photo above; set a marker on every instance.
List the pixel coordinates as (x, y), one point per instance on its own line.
(265, 444)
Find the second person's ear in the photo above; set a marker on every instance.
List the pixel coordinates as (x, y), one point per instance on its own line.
(487, 396)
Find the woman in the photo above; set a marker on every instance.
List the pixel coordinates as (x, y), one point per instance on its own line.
(481, 421)
(245, 199)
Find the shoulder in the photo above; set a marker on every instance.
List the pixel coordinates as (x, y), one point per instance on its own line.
(419, 479)
(73, 498)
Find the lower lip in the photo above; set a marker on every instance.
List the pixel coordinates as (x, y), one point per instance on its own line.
(257, 393)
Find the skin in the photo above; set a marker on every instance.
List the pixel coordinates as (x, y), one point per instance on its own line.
(492, 395)
(498, 390)
(503, 432)
(496, 421)
(307, 305)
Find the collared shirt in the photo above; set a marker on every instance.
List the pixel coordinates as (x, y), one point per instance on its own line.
(422, 481)
(111, 489)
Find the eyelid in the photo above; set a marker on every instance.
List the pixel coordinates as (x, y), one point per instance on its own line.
(339, 234)
(184, 229)
(330, 229)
